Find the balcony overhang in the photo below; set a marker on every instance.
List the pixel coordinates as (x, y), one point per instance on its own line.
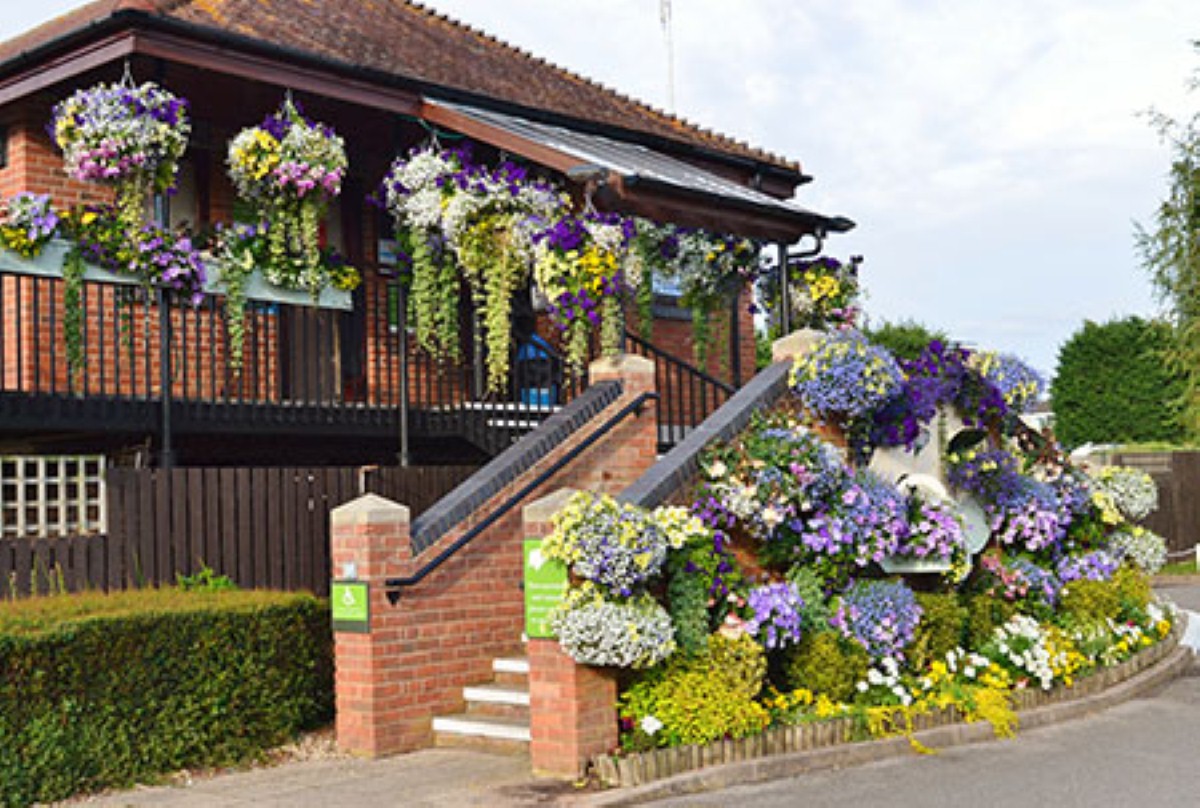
(633, 179)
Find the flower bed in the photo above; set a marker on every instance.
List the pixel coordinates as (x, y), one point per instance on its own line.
(782, 606)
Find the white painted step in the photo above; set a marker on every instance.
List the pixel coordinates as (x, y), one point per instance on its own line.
(482, 726)
(517, 665)
(497, 694)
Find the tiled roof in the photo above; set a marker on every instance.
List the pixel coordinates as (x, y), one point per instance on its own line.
(407, 40)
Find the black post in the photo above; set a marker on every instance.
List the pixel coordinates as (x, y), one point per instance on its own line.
(166, 458)
(785, 305)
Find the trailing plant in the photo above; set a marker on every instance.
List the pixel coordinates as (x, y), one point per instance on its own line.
(289, 168)
(73, 270)
(129, 137)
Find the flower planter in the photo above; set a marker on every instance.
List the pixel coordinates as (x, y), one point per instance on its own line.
(49, 264)
(257, 288)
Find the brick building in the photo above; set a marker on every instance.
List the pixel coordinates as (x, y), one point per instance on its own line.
(383, 74)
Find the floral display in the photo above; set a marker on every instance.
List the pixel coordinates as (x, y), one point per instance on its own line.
(1019, 579)
(825, 293)
(1098, 565)
(934, 531)
(1132, 492)
(845, 376)
(487, 219)
(621, 634)
(881, 616)
(29, 223)
(1143, 547)
(578, 266)
(1018, 383)
(289, 167)
(1029, 518)
(708, 268)
(129, 137)
(777, 614)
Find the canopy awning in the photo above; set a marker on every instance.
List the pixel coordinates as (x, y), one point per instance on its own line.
(634, 179)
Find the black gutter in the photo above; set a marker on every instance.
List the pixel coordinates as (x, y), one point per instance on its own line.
(125, 19)
(394, 585)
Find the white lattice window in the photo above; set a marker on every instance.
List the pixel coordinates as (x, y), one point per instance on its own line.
(50, 496)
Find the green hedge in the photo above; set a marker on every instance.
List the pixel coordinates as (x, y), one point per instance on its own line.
(106, 690)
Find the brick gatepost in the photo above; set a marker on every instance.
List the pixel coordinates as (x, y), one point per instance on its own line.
(371, 535)
(572, 708)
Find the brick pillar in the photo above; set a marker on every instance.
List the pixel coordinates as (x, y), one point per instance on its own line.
(795, 344)
(632, 447)
(371, 534)
(572, 708)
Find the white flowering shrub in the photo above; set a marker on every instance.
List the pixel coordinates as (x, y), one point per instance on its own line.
(636, 633)
(1132, 491)
(1024, 645)
(1143, 547)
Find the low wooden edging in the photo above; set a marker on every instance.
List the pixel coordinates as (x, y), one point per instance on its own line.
(784, 751)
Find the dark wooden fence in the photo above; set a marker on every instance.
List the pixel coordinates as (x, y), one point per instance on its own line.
(1177, 475)
(263, 527)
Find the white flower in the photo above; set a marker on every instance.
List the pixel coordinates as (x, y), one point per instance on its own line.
(651, 725)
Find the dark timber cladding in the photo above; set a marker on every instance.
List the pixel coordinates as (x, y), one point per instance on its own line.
(263, 527)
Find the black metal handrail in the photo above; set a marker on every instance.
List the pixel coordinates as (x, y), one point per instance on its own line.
(394, 585)
(689, 395)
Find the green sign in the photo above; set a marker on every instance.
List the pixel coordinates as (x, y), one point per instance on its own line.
(545, 585)
(351, 606)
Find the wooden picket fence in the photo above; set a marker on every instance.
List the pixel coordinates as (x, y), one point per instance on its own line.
(262, 527)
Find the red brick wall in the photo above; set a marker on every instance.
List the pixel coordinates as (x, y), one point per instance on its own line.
(444, 632)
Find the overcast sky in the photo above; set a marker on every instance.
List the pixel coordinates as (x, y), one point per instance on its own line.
(990, 152)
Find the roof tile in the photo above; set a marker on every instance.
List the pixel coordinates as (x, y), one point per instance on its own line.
(409, 40)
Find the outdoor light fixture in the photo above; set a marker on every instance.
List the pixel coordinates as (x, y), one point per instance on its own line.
(588, 172)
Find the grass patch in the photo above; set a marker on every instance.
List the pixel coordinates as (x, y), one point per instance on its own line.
(1180, 568)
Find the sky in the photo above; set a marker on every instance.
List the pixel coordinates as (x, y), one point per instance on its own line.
(994, 155)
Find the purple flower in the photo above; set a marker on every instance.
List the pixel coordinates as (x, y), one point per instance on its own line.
(776, 621)
(881, 616)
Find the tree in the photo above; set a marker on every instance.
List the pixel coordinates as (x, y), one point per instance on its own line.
(906, 339)
(1170, 250)
(1112, 385)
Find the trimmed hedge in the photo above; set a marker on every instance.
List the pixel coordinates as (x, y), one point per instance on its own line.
(98, 691)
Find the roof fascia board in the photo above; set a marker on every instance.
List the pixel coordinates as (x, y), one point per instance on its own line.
(98, 53)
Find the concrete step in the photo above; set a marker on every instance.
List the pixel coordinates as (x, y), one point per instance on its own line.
(494, 699)
(511, 671)
(483, 732)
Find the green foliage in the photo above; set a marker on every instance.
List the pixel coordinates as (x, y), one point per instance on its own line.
(1170, 250)
(1089, 603)
(1134, 592)
(99, 691)
(1112, 384)
(984, 615)
(941, 630)
(206, 580)
(827, 664)
(699, 699)
(811, 588)
(72, 271)
(687, 599)
(905, 339)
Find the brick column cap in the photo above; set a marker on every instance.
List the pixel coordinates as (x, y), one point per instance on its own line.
(541, 510)
(622, 366)
(369, 509)
(795, 344)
